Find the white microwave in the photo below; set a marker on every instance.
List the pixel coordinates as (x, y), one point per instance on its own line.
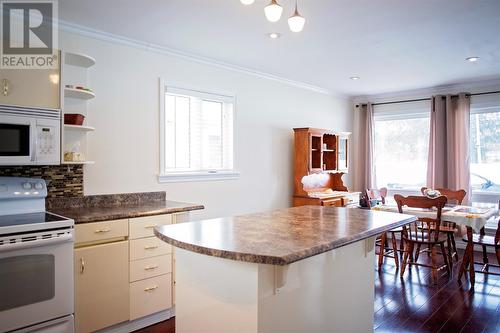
(29, 136)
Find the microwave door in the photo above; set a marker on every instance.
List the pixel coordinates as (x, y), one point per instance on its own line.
(17, 136)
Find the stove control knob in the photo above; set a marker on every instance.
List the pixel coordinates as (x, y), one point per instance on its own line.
(27, 186)
(39, 186)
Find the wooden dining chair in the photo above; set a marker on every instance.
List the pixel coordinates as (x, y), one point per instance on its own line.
(449, 228)
(425, 231)
(382, 239)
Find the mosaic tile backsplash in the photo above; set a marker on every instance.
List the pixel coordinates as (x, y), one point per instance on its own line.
(62, 180)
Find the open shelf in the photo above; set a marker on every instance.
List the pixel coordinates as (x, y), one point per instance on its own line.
(79, 128)
(77, 162)
(78, 93)
(79, 59)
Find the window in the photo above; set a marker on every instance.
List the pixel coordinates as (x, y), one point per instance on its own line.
(197, 135)
(485, 148)
(401, 145)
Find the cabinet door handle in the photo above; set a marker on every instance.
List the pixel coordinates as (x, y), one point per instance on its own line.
(151, 226)
(150, 268)
(101, 231)
(151, 247)
(5, 85)
(82, 266)
(151, 288)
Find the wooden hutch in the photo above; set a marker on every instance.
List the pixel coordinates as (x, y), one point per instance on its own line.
(321, 158)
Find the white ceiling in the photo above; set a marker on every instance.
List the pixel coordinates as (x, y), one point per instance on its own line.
(393, 45)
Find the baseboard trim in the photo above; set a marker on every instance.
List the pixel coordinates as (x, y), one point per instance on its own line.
(137, 324)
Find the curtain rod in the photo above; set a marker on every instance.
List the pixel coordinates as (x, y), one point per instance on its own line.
(427, 99)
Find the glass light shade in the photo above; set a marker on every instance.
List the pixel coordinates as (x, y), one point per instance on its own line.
(273, 11)
(247, 2)
(296, 22)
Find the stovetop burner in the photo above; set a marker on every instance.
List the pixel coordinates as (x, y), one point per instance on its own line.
(29, 218)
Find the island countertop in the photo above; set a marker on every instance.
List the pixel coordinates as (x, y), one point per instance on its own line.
(280, 237)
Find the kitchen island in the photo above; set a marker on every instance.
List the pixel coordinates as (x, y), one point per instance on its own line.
(302, 269)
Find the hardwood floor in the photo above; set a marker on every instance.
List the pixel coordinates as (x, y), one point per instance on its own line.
(414, 304)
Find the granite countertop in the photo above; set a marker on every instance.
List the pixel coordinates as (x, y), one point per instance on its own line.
(116, 206)
(280, 237)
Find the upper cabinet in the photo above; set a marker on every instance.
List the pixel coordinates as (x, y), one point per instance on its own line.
(39, 88)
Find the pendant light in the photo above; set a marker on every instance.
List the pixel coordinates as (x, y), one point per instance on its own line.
(273, 11)
(247, 2)
(296, 21)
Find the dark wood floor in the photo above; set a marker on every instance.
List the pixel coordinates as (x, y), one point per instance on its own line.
(415, 304)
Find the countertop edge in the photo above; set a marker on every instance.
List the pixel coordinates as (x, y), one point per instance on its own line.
(285, 260)
(119, 216)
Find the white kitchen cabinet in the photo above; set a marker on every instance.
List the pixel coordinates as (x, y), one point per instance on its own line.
(39, 88)
(101, 286)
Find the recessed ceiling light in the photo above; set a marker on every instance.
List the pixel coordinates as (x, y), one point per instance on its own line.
(354, 78)
(472, 59)
(274, 35)
(247, 2)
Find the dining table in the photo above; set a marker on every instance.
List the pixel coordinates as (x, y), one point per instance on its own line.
(473, 218)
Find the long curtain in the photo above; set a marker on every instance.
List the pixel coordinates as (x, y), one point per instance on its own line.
(448, 162)
(364, 173)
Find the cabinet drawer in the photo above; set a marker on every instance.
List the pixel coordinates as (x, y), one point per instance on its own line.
(97, 231)
(148, 247)
(141, 227)
(150, 296)
(150, 267)
(332, 202)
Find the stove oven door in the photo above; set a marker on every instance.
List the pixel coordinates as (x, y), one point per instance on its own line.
(36, 278)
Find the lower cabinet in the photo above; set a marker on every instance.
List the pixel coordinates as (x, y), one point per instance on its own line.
(101, 286)
(150, 295)
(122, 271)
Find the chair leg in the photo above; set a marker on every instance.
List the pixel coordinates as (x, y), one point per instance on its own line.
(417, 253)
(445, 258)
(449, 245)
(382, 249)
(454, 245)
(395, 249)
(408, 247)
(434, 264)
(485, 256)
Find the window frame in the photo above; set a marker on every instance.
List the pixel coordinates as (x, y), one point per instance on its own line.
(483, 104)
(400, 111)
(198, 175)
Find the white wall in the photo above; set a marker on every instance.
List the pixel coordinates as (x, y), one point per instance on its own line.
(125, 145)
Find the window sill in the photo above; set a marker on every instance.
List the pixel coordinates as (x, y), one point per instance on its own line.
(179, 177)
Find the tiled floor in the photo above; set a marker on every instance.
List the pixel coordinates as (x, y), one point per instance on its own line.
(415, 304)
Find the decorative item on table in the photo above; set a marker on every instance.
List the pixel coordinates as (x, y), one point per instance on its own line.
(74, 119)
(70, 86)
(364, 201)
(430, 193)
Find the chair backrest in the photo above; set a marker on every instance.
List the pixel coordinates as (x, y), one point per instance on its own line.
(429, 226)
(378, 194)
(452, 195)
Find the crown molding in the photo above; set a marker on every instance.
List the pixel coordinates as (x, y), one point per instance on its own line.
(109, 37)
(469, 87)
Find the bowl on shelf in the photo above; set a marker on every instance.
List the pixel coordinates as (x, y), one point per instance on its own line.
(74, 119)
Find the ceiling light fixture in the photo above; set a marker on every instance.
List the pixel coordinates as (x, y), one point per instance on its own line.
(273, 11)
(247, 2)
(354, 78)
(472, 59)
(274, 35)
(296, 21)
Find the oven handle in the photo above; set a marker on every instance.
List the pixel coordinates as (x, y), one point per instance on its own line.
(36, 243)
